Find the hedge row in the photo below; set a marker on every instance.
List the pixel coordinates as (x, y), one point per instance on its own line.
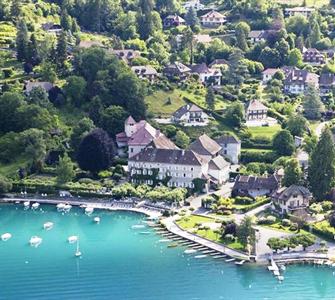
(254, 205)
(248, 156)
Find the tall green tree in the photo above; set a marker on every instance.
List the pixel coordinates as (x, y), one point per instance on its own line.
(237, 69)
(210, 98)
(242, 31)
(245, 232)
(297, 125)
(191, 18)
(113, 119)
(182, 139)
(292, 173)
(321, 171)
(61, 50)
(65, 170)
(96, 151)
(22, 40)
(234, 115)
(312, 104)
(283, 143)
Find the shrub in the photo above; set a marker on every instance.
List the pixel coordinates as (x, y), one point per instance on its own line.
(286, 222)
(243, 200)
(327, 205)
(316, 208)
(294, 227)
(270, 219)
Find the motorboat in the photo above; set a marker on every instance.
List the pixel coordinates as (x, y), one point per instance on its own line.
(89, 210)
(173, 245)
(35, 241)
(60, 206)
(280, 278)
(6, 236)
(26, 204)
(145, 232)
(67, 207)
(200, 256)
(72, 239)
(137, 226)
(48, 225)
(190, 251)
(96, 220)
(35, 205)
(164, 241)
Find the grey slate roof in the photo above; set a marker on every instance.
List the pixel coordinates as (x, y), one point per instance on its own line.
(247, 183)
(167, 156)
(47, 86)
(186, 108)
(204, 145)
(285, 194)
(218, 163)
(227, 139)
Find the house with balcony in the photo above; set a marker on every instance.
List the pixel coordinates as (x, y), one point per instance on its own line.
(212, 19)
(256, 110)
(145, 72)
(190, 115)
(295, 11)
(207, 76)
(177, 70)
(326, 83)
(195, 4)
(314, 57)
(173, 21)
(297, 81)
(255, 186)
(289, 200)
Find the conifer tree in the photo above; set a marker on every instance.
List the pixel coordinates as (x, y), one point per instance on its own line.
(321, 171)
(210, 98)
(312, 104)
(191, 18)
(22, 40)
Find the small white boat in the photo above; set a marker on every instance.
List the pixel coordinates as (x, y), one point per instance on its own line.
(26, 204)
(78, 253)
(190, 251)
(48, 225)
(35, 241)
(145, 232)
(60, 206)
(200, 256)
(96, 220)
(137, 226)
(164, 241)
(72, 239)
(282, 267)
(6, 236)
(280, 278)
(89, 210)
(67, 207)
(35, 205)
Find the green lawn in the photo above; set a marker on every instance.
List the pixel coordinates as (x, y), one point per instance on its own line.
(165, 103)
(264, 131)
(189, 222)
(12, 168)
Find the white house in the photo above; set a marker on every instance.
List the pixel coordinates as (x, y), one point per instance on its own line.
(291, 199)
(255, 186)
(304, 11)
(190, 115)
(231, 147)
(212, 19)
(218, 169)
(180, 166)
(303, 159)
(268, 74)
(256, 110)
(138, 135)
(193, 4)
(207, 76)
(30, 85)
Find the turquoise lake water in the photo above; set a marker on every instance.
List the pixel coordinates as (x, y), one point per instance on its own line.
(120, 263)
